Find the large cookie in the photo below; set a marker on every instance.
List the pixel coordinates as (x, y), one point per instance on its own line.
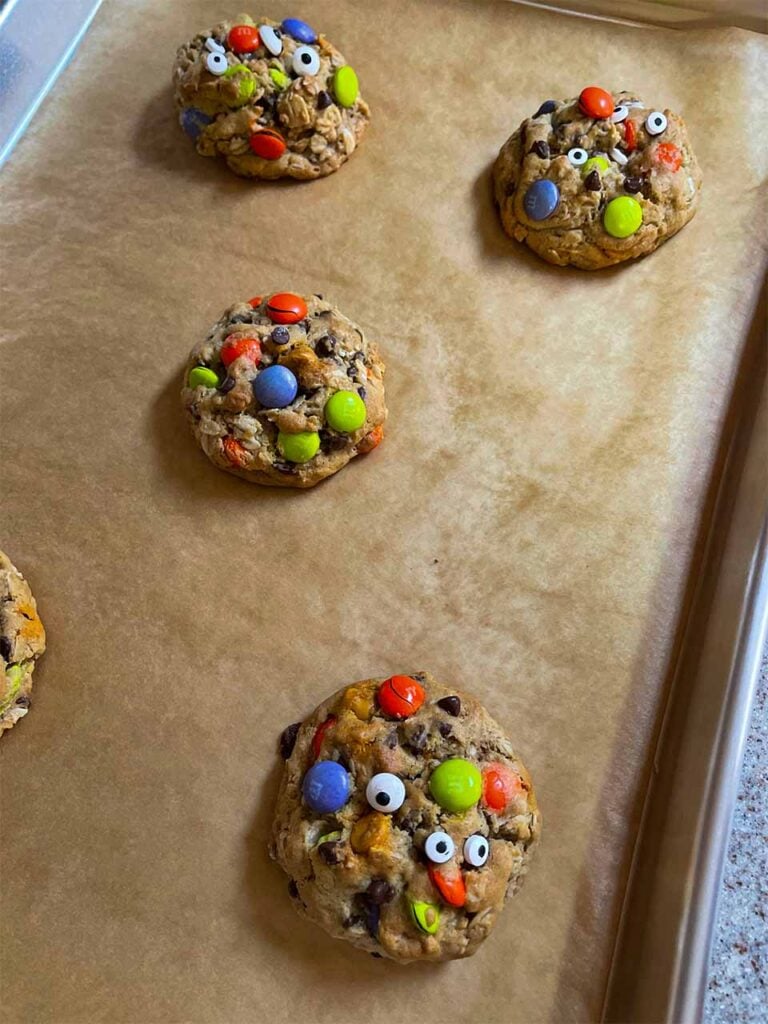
(275, 100)
(285, 390)
(596, 180)
(404, 818)
(22, 641)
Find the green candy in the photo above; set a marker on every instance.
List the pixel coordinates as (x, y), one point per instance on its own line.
(281, 80)
(14, 675)
(346, 86)
(426, 916)
(201, 376)
(456, 784)
(345, 411)
(595, 163)
(622, 217)
(298, 447)
(329, 837)
(247, 86)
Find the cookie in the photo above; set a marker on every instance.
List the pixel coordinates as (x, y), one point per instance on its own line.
(596, 180)
(22, 641)
(285, 391)
(274, 100)
(404, 818)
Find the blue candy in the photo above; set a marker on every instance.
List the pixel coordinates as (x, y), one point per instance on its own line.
(193, 121)
(541, 199)
(326, 787)
(546, 108)
(300, 30)
(275, 387)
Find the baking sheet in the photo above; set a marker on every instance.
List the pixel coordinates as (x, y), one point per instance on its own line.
(525, 529)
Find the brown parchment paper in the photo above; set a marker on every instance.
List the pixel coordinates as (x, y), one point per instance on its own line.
(525, 530)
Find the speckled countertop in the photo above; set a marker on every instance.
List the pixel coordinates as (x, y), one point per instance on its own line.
(738, 974)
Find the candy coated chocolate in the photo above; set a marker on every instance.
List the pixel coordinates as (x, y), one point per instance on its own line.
(596, 102)
(286, 308)
(300, 30)
(456, 784)
(541, 199)
(275, 387)
(326, 787)
(400, 696)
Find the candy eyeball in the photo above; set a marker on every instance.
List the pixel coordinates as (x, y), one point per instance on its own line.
(306, 61)
(620, 114)
(213, 47)
(216, 63)
(385, 792)
(272, 39)
(578, 156)
(655, 123)
(476, 851)
(439, 847)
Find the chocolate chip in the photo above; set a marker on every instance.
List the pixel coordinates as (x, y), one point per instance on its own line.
(379, 891)
(288, 740)
(353, 921)
(23, 701)
(293, 890)
(540, 148)
(362, 392)
(378, 956)
(280, 335)
(306, 324)
(419, 676)
(372, 916)
(6, 648)
(445, 730)
(359, 355)
(633, 184)
(352, 372)
(330, 852)
(332, 442)
(592, 181)
(326, 346)
(546, 108)
(418, 740)
(450, 704)
(226, 385)
(323, 100)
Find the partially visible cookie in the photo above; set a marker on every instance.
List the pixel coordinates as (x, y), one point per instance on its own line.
(22, 641)
(285, 390)
(405, 818)
(273, 99)
(596, 180)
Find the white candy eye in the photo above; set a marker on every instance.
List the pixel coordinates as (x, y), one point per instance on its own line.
(439, 847)
(578, 156)
(216, 63)
(306, 61)
(213, 46)
(272, 39)
(385, 792)
(620, 114)
(476, 850)
(655, 123)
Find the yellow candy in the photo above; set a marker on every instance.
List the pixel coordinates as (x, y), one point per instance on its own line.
(359, 700)
(426, 916)
(247, 86)
(372, 834)
(595, 163)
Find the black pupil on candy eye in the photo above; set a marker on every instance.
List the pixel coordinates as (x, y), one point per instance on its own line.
(306, 59)
(441, 847)
(481, 850)
(382, 798)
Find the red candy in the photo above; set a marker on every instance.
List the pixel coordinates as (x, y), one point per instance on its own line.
(268, 145)
(286, 308)
(257, 301)
(630, 135)
(235, 452)
(238, 345)
(400, 696)
(499, 786)
(668, 154)
(243, 39)
(320, 731)
(449, 883)
(371, 440)
(595, 102)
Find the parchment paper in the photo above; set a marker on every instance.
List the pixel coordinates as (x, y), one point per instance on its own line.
(525, 530)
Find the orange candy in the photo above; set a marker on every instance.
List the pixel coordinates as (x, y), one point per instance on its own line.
(630, 135)
(286, 308)
(320, 731)
(243, 39)
(450, 884)
(400, 696)
(595, 102)
(257, 301)
(668, 154)
(499, 786)
(371, 440)
(238, 345)
(235, 453)
(268, 145)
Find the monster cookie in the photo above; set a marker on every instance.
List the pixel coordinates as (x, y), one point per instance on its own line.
(22, 641)
(275, 100)
(596, 180)
(404, 818)
(285, 390)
